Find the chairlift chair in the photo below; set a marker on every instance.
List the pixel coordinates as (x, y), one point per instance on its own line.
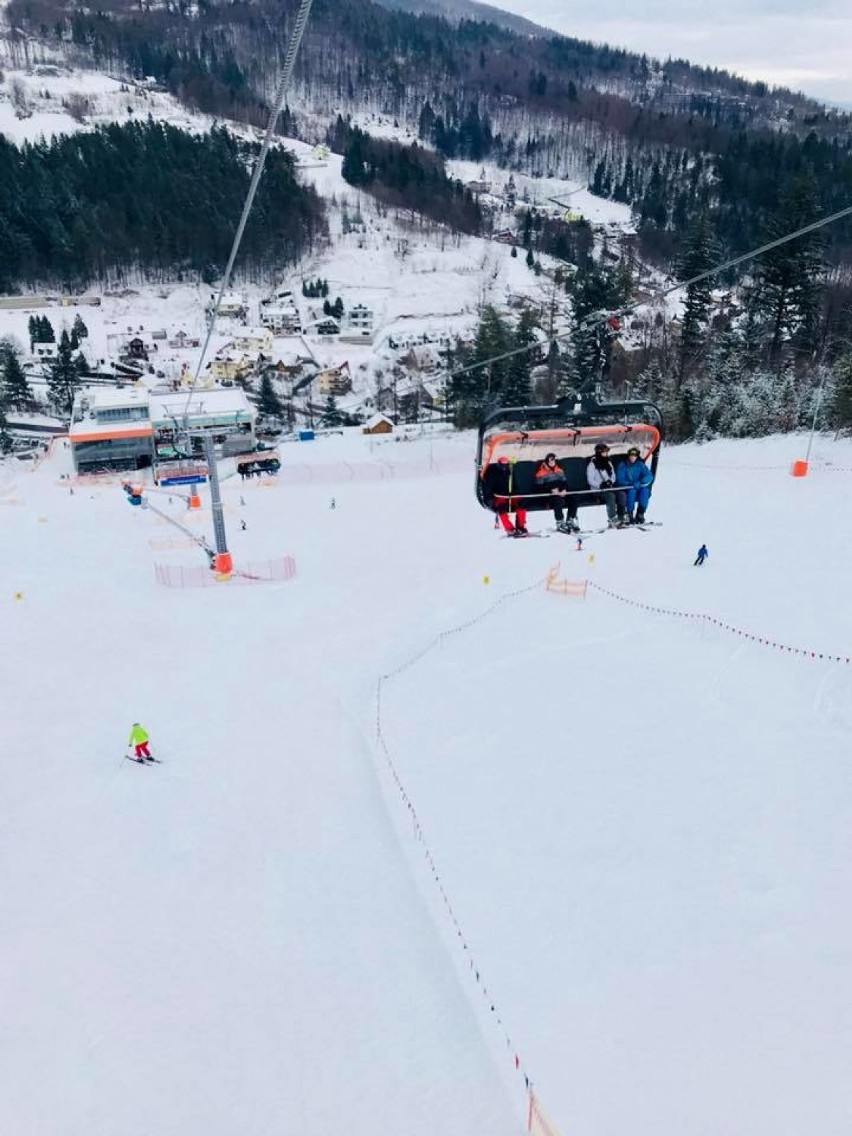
(570, 429)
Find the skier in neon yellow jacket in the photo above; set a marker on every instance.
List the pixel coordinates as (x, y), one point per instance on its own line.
(139, 739)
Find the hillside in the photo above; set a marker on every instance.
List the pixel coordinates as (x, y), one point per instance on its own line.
(663, 139)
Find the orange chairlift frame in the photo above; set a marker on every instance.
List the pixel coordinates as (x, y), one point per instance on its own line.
(571, 429)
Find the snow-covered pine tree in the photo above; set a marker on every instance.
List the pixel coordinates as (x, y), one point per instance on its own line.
(700, 251)
(15, 389)
(5, 436)
(63, 379)
(268, 403)
(788, 278)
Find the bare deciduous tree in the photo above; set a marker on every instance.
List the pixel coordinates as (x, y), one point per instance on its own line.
(78, 106)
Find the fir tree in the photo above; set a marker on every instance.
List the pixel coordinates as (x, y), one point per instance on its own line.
(79, 329)
(63, 379)
(15, 390)
(476, 389)
(5, 436)
(269, 404)
(331, 415)
(841, 400)
(700, 252)
(517, 388)
(787, 287)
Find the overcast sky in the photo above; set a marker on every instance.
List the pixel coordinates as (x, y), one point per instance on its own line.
(806, 46)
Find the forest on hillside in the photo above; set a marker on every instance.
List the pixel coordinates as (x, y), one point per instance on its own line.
(148, 199)
(670, 141)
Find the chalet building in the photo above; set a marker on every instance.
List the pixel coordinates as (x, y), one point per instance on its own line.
(230, 366)
(378, 424)
(334, 381)
(233, 306)
(281, 318)
(182, 340)
(136, 349)
(252, 339)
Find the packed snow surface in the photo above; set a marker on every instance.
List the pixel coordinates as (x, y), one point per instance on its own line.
(641, 822)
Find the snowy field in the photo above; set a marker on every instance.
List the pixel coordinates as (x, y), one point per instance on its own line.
(640, 822)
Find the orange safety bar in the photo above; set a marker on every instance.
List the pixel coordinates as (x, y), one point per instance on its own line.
(554, 437)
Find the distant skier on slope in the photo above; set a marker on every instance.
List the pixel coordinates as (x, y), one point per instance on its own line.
(139, 740)
(701, 557)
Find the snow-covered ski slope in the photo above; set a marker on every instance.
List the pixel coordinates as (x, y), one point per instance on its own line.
(641, 822)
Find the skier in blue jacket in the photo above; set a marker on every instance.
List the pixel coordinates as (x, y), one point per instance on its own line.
(636, 479)
(701, 557)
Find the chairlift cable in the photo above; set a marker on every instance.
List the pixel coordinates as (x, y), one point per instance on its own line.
(662, 293)
(277, 107)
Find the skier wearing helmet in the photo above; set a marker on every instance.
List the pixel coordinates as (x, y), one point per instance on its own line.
(600, 476)
(635, 477)
(497, 482)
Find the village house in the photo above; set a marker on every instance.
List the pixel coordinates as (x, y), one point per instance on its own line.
(230, 366)
(422, 358)
(378, 424)
(334, 380)
(45, 350)
(135, 349)
(480, 184)
(281, 318)
(181, 340)
(252, 339)
(233, 305)
(325, 327)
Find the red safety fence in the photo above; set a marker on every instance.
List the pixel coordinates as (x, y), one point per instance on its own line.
(564, 587)
(712, 621)
(197, 576)
(537, 1122)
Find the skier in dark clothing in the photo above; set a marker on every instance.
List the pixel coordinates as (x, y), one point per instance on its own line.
(550, 477)
(497, 482)
(702, 556)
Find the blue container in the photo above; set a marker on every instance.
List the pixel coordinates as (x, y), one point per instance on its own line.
(306, 435)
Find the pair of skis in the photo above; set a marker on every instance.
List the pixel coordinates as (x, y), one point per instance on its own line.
(143, 760)
(583, 533)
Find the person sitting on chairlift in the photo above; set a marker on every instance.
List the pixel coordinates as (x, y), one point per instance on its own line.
(635, 477)
(498, 485)
(550, 478)
(600, 476)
